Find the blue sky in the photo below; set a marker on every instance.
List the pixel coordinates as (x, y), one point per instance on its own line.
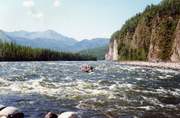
(80, 19)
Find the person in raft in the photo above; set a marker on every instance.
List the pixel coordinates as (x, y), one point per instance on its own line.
(87, 68)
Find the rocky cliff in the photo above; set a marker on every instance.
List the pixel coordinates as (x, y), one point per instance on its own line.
(113, 51)
(153, 35)
(176, 46)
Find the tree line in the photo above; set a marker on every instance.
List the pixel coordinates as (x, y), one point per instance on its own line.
(14, 52)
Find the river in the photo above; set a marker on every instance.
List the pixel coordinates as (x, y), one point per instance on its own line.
(112, 89)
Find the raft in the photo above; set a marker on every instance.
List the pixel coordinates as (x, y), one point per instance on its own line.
(87, 68)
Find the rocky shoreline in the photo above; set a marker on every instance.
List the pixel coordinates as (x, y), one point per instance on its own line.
(162, 65)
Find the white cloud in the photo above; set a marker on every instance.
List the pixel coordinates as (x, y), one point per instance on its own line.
(32, 10)
(28, 3)
(56, 3)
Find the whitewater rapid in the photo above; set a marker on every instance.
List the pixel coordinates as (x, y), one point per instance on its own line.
(38, 87)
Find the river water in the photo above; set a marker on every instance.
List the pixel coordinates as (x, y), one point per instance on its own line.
(111, 90)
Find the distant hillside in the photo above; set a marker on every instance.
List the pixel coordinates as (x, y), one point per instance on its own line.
(97, 52)
(51, 40)
(152, 35)
(4, 37)
(48, 39)
(89, 44)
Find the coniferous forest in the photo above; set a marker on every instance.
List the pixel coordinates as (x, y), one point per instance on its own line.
(14, 52)
(150, 35)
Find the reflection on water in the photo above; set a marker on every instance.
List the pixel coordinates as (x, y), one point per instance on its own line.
(121, 90)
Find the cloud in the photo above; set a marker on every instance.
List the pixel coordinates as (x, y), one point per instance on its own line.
(28, 3)
(32, 10)
(56, 3)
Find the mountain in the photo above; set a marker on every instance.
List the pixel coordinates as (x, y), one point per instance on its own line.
(98, 52)
(4, 37)
(89, 44)
(49, 34)
(47, 39)
(51, 40)
(153, 35)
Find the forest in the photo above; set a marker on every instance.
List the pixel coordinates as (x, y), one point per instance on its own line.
(14, 52)
(157, 23)
(98, 52)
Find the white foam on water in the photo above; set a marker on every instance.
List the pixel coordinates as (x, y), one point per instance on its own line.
(168, 76)
(112, 96)
(167, 71)
(113, 87)
(177, 90)
(153, 101)
(32, 86)
(164, 91)
(4, 81)
(170, 106)
(139, 79)
(161, 77)
(127, 85)
(69, 89)
(60, 90)
(147, 91)
(148, 108)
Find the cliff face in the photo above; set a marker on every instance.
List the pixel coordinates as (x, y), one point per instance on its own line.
(162, 38)
(113, 51)
(153, 35)
(176, 46)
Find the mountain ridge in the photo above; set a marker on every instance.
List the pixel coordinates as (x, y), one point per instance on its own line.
(89, 44)
(51, 39)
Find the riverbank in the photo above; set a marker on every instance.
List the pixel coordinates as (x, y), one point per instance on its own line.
(165, 65)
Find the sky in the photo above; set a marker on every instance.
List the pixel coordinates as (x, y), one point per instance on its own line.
(80, 19)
